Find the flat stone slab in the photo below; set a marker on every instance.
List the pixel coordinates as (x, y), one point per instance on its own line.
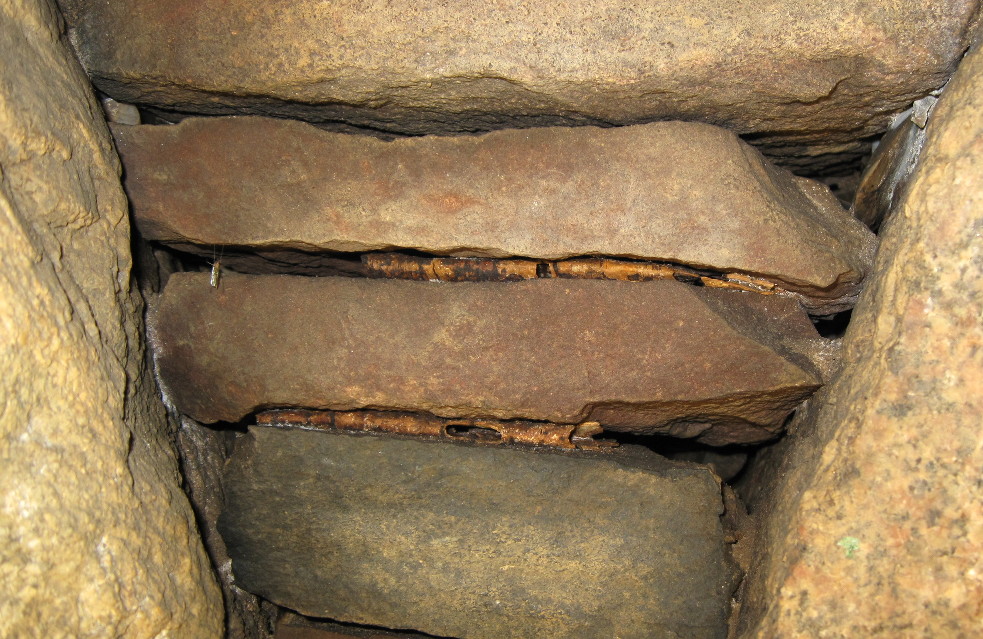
(808, 79)
(651, 357)
(686, 193)
(475, 542)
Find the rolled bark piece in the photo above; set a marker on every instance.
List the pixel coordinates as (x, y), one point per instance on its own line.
(478, 543)
(809, 79)
(677, 192)
(476, 431)
(653, 357)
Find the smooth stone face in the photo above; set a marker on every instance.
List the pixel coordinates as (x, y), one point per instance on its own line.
(886, 177)
(808, 79)
(654, 357)
(875, 527)
(478, 543)
(680, 192)
(96, 536)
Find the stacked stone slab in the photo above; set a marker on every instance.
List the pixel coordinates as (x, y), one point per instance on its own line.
(656, 357)
(647, 357)
(808, 80)
(675, 192)
(439, 537)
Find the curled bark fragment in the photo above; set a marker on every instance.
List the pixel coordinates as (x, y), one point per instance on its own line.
(482, 431)
(483, 269)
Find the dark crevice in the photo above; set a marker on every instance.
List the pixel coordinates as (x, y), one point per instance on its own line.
(834, 326)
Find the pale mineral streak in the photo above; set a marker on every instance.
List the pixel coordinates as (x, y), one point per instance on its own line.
(653, 357)
(686, 193)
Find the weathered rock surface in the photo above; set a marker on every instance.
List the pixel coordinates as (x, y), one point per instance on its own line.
(804, 78)
(885, 179)
(202, 452)
(477, 542)
(96, 537)
(655, 357)
(294, 626)
(671, 191)
(873, 526)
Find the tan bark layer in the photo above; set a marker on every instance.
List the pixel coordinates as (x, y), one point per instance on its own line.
(480, 431)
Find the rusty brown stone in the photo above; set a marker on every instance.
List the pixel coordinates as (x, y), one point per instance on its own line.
(808, 80)
(684, 193)
(479, 431)
(871, 523)
(478, 542)
(654, 357)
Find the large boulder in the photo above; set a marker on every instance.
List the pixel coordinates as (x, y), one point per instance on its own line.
(872, 524)
(673, 191)
(478, 543)
(652, 357)
(804, 79)
(96, 537)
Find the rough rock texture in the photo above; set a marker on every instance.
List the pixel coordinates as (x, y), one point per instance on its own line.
(671, 191)
(294, 626)
(96, 537)
(886, 178)
(883, 182)
(436, 537)
(875, 527)
(803, 78)
(643, 357)
(203, 452)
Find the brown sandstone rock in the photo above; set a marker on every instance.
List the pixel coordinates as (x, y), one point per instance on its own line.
(873, 525)
(478, 542)
(806, 79)
(96, 537)
(650, 357)
(672, 191)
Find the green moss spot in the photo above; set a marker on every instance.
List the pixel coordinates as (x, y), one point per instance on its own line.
(850, 546)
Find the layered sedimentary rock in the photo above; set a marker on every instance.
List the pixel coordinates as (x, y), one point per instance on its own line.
(96, 537)
(661, 356)
(872, 526)
(438, 538)
(680, 192)
(804, 78)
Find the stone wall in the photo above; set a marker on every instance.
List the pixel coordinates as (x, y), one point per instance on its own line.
(96, 537)
(872, 525)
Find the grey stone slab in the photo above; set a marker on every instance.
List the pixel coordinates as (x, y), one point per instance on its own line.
(478, 543)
